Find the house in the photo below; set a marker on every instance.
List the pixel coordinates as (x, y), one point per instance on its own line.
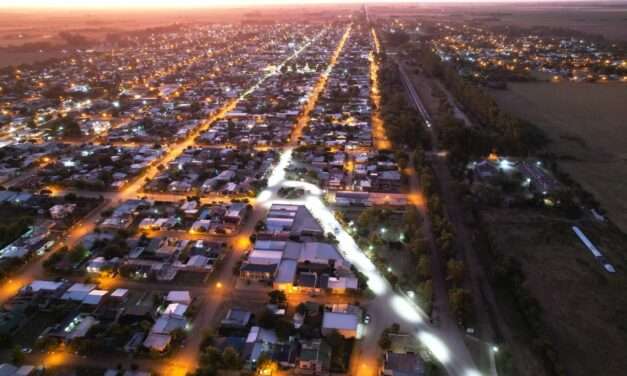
(176, 310)
(78, 292)
(314, 358)
(182, 297)
(235, 213)
(76, 327)
(157, 342)
(405, 364)
(342, 318)
(60, 211)
(292, 220)
(166, 324)
(44, 286)
(95, 297)
(295, 266)
(258, 272)
(260, 341)
(7, 369)
(237, 318)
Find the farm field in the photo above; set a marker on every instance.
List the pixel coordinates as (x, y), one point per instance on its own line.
(586, 123)
(582, 307)
(605, 18)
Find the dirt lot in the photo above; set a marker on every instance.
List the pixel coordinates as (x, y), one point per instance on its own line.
(584, 308)
(587, 124)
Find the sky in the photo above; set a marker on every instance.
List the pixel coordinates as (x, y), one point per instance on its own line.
(111, 4)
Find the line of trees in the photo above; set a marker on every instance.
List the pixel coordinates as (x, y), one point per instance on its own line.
(402, 123)
(499, 130)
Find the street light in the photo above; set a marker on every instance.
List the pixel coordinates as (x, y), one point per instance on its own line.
(495, 349)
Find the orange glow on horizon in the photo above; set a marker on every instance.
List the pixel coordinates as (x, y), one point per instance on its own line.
(192, 4)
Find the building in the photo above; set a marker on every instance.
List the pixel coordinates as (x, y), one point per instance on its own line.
(344, 323)
(407, 364)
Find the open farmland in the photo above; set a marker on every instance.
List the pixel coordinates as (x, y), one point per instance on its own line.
(583, 308)
(587, 124)
(608, 20)
(597, 18)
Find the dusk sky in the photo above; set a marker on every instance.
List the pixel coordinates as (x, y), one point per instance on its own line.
(202, 3)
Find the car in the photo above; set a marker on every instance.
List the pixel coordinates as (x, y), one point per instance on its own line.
(27, 350)
(367, 319)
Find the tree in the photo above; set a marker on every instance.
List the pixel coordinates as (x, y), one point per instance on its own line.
(385, 342)
(231, 359)
(277, 297)
(17, 356)
(425, 291)
(208, 339)
(338, 344)
(283, 329)
(455, 271)
(424, 267)
(78, 254)
(210, 358)
(418, 246)
(459, 301)
(267, 319)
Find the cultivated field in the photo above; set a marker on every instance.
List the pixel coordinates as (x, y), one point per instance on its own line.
(587, 123)
(584, 308)
(602, 18)
(607, 20)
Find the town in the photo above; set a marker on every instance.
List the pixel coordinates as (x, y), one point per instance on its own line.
(340, 196)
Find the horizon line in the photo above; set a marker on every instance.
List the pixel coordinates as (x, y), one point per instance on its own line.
(47, 5)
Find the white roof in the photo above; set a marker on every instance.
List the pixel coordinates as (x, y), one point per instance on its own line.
(340, 320)
(321, 252)
(25, 370)
(82, 328)
(258, 334)
(157, 341)
(119, 293)
(167, 324)
(95, 296)
(287, 271)
(197, 260)
(176, 309)
(179, 297)
(265, 257)
(44, 285)
(78, 291)
(342, 282)
(81, 287)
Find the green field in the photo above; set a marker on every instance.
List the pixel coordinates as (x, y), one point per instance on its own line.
(588, 126)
